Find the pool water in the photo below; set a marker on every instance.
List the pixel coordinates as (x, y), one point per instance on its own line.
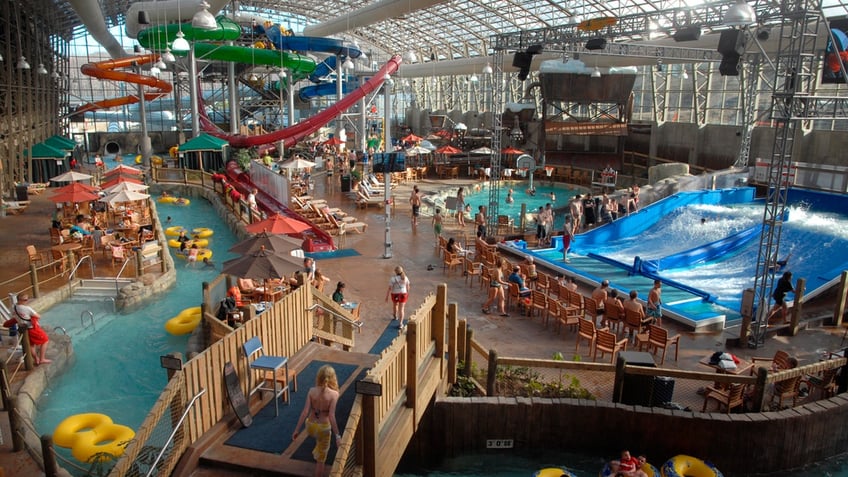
(117, 369)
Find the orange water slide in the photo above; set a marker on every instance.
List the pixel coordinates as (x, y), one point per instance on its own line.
(107, 70)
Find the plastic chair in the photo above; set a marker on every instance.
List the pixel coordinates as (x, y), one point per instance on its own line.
(450, 262)
(607, 342)
(613, 314)
(472, 269)
(34, 256)
(257, 360)
(658, 338)
(586, 331)
(730, 398)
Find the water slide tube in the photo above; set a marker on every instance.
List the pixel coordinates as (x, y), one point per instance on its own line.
(698, 255)
(323, 89)
(106, 70)
(292, 134)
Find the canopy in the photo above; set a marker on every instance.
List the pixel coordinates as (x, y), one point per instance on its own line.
(71, 176)
(124, 196)
(203, 142)
(74, 193)
(417, 150)
(126, 186)
(118, 180)
(297, 163)
(75, 186)
(333, 141)
(278, 224)
(481, 150)
(122, 169)
(61, 143)
(278, 244)
(45, 151)
(411, 138)
(262, 264)
(448, 150)
(511, 150)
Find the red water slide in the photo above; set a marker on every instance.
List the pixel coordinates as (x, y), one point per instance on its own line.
(292, 134)
(106, 70)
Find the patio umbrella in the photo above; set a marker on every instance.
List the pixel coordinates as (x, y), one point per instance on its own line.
(122, 169)
(427, 145)
(448, 149)
(75, 186)
(117, 180)
(411, 138)
(71, 176)
(278, 224)
(333, 141)
(278, 244)
(126, 186)
(417, 150)
(124, 196)
(511, 150)
(297, 163)
(262, 264)
(75, 194)
(481, 150)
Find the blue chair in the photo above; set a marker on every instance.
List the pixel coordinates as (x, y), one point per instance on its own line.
(257, 360)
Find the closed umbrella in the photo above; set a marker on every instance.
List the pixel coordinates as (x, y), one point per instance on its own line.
(278, 244)
(278, 224)
(71, 176)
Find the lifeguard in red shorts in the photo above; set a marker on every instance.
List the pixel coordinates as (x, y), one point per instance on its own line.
(399, 292)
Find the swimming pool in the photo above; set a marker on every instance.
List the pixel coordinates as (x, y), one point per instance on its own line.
(815, 237)
(117, 369)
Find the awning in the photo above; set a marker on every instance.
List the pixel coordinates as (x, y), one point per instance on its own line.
(61, 142)
(204, 142)
(45, 151)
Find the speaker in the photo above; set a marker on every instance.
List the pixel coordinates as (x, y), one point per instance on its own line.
(690, 33)
(732, 42)
(522, 59)
(596, 44)
(729, 65)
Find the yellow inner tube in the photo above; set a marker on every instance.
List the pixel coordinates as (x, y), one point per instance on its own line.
(202, 243)
(203, 253)
(72, 427)
(202, 232)
(552, 472)
(688, 466)
(183, 324)
(174, 231)
(194, 310)
(166, 200)
(174, 151)
(182, 201)
(106, 440)
(156, 160)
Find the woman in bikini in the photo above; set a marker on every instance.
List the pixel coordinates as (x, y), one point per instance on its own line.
(496, 289)
(319, 414)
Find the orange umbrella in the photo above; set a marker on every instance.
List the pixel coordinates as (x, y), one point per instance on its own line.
(74, 193)
(511, 150)
(448, 149)
(278, 224)
(333, 141)
(412, 138)
(122, 169)
(118, 180)
(76, 186)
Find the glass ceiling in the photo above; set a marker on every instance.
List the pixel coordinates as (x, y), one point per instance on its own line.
(452, 29)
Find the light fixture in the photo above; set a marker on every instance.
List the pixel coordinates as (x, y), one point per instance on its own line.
(515, 133)
(685, 75)
(740, 14)
(180, 44)
(282, 74)
(410, 56)
(55, 75)
(348, 65)
(363, 58)
(22, 63)
(203, 19)
(41, 69)
(168, 57)
(473, 78)
(154, 70)
(253, 78)
(659, 65)
(487, 70)
(161, 64)
(1, 57)
(596, 73)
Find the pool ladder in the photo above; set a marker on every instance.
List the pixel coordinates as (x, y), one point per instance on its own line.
(83, 315)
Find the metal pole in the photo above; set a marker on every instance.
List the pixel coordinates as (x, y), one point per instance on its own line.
(192, 78)
(387, 176)
(144, 145)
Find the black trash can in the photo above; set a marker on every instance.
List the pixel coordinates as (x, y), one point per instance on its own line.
(638, 389)
(663, 391)
(346, 183)
(21, 192)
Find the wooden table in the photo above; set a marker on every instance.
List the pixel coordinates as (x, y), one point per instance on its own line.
(743, 367)
(68, 249)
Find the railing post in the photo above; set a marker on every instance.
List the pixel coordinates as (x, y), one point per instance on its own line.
(759, 395)
(798, 306)
(618, 383)
(33, 278)
(492, 374)
(14, 425)
(466, 370)
(452, 344)
(29, 363)
(412, 366)
(438, 325)
(139, 268)
(369, 435)
(49, 456)
(461, 329)
(839, 310)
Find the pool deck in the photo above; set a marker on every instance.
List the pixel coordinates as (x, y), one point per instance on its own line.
(367, 275)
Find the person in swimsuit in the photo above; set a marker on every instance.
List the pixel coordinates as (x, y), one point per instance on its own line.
(654, 308)
(399, 293)
(784, 286)
(319, 414)
(28, 318)
(480, 221)
(460, 206)
(415, 202)
(496, 290)
(437, 225)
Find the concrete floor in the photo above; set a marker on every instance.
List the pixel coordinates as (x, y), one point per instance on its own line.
(366, 277)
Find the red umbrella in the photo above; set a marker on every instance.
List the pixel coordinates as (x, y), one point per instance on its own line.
(278, 224)
(333, 141)
(74, 193)
(448, 149)
(412, 138)
(122, 169)
(76, 186)
(511, 150)
(118, 180)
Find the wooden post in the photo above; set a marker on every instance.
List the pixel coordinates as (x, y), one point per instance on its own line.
(369, 435)
(466, 370)
(461, 329)
(29, 362)
(139, 267)
(5, 391)
(15, 425)
(744, 330)
(49, 456)
(438, 325)
(839, 310)
(33, 278)
(798, 306)
(759, 395)
(492, 374)
(618, 383)
(452, 344)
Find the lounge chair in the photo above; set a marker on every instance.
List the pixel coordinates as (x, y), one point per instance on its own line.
(15, 207)
(364, 200)
(346, 224)
(369, 191)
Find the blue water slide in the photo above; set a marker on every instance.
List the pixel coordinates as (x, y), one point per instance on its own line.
(324, 89)
(705, 296)
(700, 254)
(309, 43)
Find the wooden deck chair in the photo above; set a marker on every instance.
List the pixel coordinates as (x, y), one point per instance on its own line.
(658, 338)
(730, 398)
(35, 257)
(118, 254)
(472, 269)
(786, 389)
(450, 262)
(825, 383)
(538, 302)
(586, 331)
(607, 342)
(613, 316)
(779, 361)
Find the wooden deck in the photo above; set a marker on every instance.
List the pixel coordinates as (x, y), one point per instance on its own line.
(212, 457)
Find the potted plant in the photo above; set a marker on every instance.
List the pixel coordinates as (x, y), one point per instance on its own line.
(355, 178)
